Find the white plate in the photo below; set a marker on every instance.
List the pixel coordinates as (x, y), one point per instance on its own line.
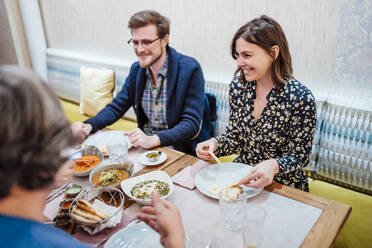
(101, 138)
(145, 161)
(137, 235)
(128, 184)
(221, 175)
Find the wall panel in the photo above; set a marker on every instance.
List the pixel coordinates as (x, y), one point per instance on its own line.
(202, 29)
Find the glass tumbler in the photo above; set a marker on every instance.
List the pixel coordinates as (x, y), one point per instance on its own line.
(232, 210)
(117, 151)
(253, 226)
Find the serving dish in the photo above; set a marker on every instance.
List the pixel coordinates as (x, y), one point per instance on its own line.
(129, 184)
(101, 138)
(105, 175)
(89, 150)
(108, 200)
(152, 158)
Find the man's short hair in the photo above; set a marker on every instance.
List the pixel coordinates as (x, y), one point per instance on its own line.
(147, 17)
(33, 131)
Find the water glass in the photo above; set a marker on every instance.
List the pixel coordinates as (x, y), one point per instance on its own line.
(253, 226)
(232, 211)
(117, 151)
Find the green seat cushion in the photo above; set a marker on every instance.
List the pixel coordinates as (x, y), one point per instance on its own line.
(357, 230)
(72, 112)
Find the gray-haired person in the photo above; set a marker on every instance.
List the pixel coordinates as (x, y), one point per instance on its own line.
(34, 132)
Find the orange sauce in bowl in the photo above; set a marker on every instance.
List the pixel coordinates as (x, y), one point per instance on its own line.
(86, 162)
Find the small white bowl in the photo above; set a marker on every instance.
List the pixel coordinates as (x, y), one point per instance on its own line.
(128, 184)
(127, 166)
(90, 150)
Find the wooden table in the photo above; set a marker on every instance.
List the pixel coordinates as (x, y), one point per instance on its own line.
(328, 225)
(322, 234)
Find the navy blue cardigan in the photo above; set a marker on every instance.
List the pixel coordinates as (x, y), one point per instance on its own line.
(185, 101)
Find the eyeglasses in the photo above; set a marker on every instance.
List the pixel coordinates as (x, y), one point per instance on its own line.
(145, 43)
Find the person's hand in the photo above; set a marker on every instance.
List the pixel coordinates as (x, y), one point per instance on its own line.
(81, 130)
(139, 139)
(204, 149)
(261, 175)
(165, 218)
(64, 174)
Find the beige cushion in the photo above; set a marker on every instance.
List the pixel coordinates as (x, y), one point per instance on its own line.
(96, 87)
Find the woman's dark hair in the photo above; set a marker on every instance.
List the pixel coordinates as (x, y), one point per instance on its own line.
(33, 129)
(147, 17)
(265, 32)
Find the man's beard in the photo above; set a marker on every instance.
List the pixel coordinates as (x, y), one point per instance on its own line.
(154, 60)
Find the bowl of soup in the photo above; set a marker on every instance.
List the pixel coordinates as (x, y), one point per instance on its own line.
(111, 175)
(91, 158)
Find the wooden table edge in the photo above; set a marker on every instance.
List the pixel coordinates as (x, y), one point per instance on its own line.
(324, 233)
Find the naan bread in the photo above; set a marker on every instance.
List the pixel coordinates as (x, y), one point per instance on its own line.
(231, 191)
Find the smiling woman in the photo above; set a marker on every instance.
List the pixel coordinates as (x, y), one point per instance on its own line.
(272, 115)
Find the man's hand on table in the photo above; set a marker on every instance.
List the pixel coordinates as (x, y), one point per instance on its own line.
(81, 130)
(139, 139)
(262, 174)
(165, 218)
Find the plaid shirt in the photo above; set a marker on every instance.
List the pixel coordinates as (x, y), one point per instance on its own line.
(154, 100)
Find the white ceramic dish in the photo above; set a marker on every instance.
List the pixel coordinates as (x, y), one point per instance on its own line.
(136, 235)
(128, 166)
(221, 175)
(90, 150)
(143, 159)
(101, 138)
(128, 184)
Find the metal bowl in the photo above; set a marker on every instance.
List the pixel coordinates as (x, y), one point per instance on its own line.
(127, 166)
(90, 150)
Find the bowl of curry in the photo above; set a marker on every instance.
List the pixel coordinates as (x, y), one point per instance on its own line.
(91, 157)
(111, 175)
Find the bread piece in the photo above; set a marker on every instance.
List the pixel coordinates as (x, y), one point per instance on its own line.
(83, 204)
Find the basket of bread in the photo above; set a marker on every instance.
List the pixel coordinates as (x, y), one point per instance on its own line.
(95, 209)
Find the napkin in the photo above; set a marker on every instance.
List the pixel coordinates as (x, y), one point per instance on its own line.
(186, 176)
(99, 238)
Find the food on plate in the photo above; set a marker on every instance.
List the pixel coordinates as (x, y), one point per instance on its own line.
(73, 190)
(86, 162)
(84, 212)
(231, 191)
(110, 177)
(153, 156)
(144, 189)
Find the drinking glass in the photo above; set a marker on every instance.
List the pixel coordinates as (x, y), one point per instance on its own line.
(253, 226)
(232, 210)
(117, 151)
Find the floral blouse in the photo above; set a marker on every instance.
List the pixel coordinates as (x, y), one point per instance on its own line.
(284, 130)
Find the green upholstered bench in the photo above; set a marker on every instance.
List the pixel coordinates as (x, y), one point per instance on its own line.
(72, 112)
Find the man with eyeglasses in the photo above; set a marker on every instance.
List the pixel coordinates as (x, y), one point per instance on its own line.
(165, 88)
